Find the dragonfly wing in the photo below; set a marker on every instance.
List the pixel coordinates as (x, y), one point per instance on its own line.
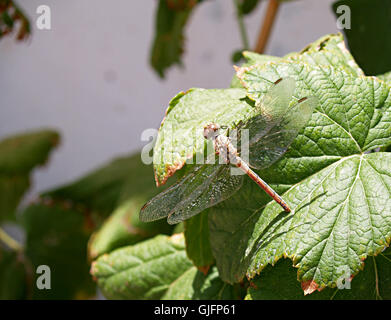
(269, 111)
(275, 101)
(271, 108)
(223, 186)
(179, 194)
(175, 200)
(265, 150)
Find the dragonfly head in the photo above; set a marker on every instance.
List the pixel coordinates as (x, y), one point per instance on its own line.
(211, 131)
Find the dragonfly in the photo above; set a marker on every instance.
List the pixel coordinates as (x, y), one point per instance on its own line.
(227, 151)
(277, 121)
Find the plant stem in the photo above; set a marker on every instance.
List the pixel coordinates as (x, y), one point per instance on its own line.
(378, 296)
(267, 25)
(242, 28)
(9, 241)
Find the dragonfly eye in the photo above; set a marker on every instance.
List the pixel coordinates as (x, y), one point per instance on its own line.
(211, 131)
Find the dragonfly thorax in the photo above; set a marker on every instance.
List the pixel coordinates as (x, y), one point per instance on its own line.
(211, 131)
(224, 148)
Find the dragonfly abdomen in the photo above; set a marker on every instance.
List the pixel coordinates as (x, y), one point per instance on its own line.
(243, 166)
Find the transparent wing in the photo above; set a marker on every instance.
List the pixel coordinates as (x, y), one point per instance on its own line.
(270, 110)
(275, 101)
(266, 149)
(199, 189)
(182, 192)
(223, 186)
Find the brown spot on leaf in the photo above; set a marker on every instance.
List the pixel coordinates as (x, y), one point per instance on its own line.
(169, 171)
(204, 269)
(278, 81)
(253, 285)
(89, 223)
(310, 286)
(93, 270)
(240, 73)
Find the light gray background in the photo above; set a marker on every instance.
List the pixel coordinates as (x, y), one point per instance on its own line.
(90, 79)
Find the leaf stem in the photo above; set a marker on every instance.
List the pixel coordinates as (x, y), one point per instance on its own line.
(378, 296)
(333, 295)
(242, 28)
(267, 25)
(9, 241)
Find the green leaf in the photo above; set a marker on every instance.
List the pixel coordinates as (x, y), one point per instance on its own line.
(194, 285)
(7, 20)
(342, 209)
(57, 237)
(231, 225)
(374, 282)
(386, 77)
(369, 32)
(329, 50)
(181, 134)
(36, 145)
(252, 58)
(352, 118)
(260, 59)
(143, 271)
(236, 56)
(197, 241)
(12, 189)
(179, 228)
(342, 215)
(235, 83)
(353, 110)
(19, 155)
(117, 190)
(248, 6)
(171, 19)
(104, 189)
(123, 228)
(13, 276)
